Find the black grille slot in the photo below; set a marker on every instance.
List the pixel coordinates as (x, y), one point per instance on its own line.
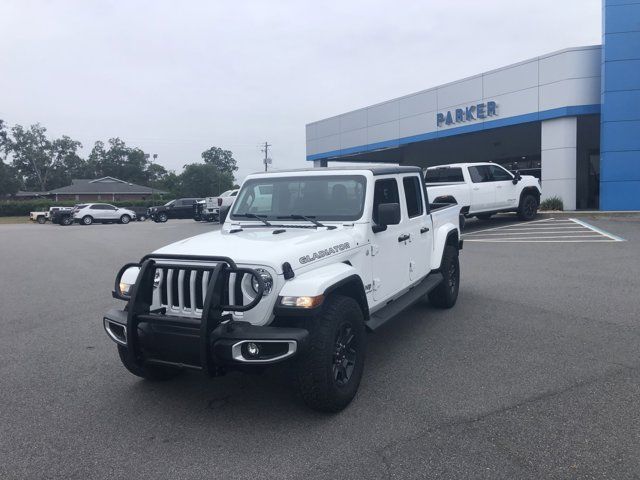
(174, 288)
(163, 286)
(187, 289)
(199, 297)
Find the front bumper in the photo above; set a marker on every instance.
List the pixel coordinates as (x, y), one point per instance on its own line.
(176, 341)
(211, 343)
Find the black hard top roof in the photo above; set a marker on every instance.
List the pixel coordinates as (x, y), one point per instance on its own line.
(376, 170)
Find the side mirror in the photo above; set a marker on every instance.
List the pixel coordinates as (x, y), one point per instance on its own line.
(516, 177)
(388, 214)
(222, 214)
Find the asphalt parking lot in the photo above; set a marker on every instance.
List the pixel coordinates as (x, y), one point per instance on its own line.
(535, 373)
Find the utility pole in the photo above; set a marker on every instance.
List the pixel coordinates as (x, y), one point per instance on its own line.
(266, 160)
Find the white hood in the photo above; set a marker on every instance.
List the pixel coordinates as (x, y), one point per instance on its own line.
(260, 246)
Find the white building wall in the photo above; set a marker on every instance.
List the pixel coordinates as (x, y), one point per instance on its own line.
(558, 155)
(569, 77)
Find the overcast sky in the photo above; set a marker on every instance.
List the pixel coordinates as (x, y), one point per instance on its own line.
(176, 77)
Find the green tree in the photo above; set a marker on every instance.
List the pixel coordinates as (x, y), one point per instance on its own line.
(221, 159)
(9, 181)
(118, 160)
(204, 180)
(38, 160)
(170, 183)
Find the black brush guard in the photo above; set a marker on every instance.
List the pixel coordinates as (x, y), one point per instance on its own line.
(205, 343)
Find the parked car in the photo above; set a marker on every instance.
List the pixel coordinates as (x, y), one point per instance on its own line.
(62, 216)
(484, 189)
(297, 277)
(40, 217)
(209, 208)
(88, 213)
(179, 208)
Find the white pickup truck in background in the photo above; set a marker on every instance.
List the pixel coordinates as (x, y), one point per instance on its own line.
(209, 208)
(483, 189)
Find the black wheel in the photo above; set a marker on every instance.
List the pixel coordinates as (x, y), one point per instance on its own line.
(66, 221)
(446, 294)
(87, 220)
(329, 372)
(149, 372)
(528, 208)
(162, 217)
(124, 219)
(484, 216)
(41, 220)
(142, 218)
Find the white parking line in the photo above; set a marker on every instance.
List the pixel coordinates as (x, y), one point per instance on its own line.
(547, 230)
(600, 231)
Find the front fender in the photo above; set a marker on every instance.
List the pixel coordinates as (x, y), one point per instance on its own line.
(318, 281)
(440, 239)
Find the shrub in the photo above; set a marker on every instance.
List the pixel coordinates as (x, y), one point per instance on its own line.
(552, 203)
(17, 208)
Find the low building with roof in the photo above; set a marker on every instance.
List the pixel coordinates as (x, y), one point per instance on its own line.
(106, 189)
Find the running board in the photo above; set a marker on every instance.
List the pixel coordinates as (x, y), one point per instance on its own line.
(397, 306)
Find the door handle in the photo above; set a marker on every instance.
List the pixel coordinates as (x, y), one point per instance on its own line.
(404, 238)
(476, 188)
(424, 229)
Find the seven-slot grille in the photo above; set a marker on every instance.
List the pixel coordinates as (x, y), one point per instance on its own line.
(183, 290)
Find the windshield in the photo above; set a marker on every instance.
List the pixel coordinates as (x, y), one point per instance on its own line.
(168, 204)
(321, 197)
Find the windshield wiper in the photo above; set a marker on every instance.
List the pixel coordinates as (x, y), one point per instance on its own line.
(308, 219)
(253, 215)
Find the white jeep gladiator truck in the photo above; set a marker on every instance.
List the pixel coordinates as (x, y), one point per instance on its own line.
(484, 189)
(305, 263)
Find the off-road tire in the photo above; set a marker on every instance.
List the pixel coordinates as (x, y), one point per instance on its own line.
(320, 386)
(162, 217)
(87, 220)
(66, 221)
(528, 208)
(41, 220)
(148, 372)
(446, 294)
(142, 218)
(484, 216)
(124, 219)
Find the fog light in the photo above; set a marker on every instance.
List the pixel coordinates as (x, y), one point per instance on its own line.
(253, 350)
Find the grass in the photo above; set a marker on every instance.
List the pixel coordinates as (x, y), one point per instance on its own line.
(10, 220)
(552, 203)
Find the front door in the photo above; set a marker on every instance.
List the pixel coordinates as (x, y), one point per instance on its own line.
(389, 261)
(483, 193)
(506, 191)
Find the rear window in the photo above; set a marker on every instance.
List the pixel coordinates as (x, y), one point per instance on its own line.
(444, 175)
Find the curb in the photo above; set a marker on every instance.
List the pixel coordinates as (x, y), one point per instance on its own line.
(589, 214)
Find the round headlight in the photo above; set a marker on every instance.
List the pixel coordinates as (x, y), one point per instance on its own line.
(266, 278)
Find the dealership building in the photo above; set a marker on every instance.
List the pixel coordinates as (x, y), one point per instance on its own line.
(570, 117)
